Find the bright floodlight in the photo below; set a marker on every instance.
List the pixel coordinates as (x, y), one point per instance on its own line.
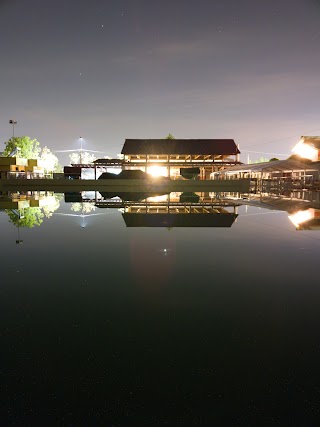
(305, 151)
(157, 171)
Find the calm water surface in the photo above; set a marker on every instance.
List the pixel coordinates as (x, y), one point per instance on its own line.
(109, 324)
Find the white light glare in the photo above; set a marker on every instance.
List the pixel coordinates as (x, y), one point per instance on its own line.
(157, 171)
(301, 216)
(305, 151)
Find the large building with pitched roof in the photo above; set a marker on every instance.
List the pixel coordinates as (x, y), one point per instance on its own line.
(171, 157)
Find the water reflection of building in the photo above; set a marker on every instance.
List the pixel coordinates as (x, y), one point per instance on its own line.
(175, 210)
(202, 209)
(277, 202)
(303, 207)
(29, 199)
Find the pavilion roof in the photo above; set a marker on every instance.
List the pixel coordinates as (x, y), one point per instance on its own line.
(180, 146)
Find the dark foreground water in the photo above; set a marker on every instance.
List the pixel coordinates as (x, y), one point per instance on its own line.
(107, 322)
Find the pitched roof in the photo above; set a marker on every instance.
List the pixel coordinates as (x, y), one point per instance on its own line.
(108, 161)
(180, 146)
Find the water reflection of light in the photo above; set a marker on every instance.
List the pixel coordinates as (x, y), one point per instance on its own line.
(163, 198)
(83, 217)
(77, 215)
(300, 217)
(165, 251)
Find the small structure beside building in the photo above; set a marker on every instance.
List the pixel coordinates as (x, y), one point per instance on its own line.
(72, 172)
(301, 170)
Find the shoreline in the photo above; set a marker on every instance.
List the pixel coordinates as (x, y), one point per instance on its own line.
(125, 185)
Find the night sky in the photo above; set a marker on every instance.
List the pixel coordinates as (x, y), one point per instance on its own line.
(116, 69)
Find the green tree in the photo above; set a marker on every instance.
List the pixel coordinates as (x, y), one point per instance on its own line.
(28, 148)
(170, 136)
(273, 159)
(27, 217)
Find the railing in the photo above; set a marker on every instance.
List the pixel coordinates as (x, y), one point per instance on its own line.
(27, 175)
(284, 183)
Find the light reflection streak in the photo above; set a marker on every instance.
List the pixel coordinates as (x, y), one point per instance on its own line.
(262, 213)
(65, 214)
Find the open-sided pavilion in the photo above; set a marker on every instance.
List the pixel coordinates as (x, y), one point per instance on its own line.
(171, 156)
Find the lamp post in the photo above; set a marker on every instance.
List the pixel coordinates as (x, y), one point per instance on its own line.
(80, 149)
(19, 241)
(13, 122)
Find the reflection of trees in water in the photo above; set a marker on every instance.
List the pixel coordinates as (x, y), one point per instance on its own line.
(53, 206)
(84, 207)
(31, 216)
(26, 217)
